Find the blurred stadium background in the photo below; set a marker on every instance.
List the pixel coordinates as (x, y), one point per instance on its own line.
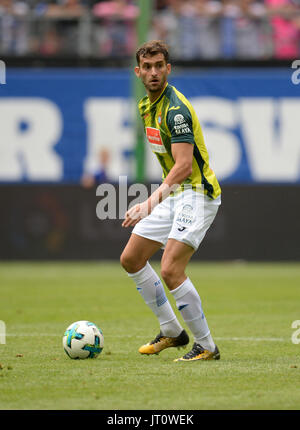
(68, 123)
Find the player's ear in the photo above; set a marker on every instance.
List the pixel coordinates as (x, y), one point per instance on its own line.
(169, 68)
(137, 71)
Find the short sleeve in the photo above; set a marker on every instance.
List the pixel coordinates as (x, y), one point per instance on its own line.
(180, 124)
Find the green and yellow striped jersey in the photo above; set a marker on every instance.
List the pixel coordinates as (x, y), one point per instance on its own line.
(172, 119)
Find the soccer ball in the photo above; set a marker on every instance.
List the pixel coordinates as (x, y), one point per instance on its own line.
(83, 339)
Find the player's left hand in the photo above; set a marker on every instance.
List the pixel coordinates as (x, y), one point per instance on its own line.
(136, 213)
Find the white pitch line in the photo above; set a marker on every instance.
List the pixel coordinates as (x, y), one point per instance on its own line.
(254, 339)
(247, 339)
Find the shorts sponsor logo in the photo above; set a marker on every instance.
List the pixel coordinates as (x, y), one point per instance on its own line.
(186, 217)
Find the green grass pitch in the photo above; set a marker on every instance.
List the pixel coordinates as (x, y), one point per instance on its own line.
(249, 307)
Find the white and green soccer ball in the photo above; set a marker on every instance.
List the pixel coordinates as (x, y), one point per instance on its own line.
(83, 339)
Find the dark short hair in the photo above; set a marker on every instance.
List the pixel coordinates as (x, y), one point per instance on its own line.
(152, 48)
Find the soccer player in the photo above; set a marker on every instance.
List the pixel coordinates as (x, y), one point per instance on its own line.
(177, 214)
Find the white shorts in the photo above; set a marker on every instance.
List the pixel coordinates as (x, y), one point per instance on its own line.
(185, 217)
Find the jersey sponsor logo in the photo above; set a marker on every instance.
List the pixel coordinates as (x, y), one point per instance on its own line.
(174, 108)
(181, 127)
(179, 119)
(182, 130)
(155, 140)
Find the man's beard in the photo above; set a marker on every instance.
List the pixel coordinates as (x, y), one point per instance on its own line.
(158, 88)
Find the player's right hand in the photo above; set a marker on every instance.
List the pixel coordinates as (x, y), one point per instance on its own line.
(136, 213)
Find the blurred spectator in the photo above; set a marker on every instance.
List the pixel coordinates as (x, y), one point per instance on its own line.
(190, 28)
(285, 25)
(67, 28)
(97, 174)
(187, 22)
(252, 30)
(66, 8)
(13, 27)
(165, 26)
(193, 29)
(208, 28)
(50, 43)
(230, 12)
(117, 32)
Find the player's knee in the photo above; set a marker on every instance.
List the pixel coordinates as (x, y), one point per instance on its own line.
(130, 263)
(168, 273)
(126, 261)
